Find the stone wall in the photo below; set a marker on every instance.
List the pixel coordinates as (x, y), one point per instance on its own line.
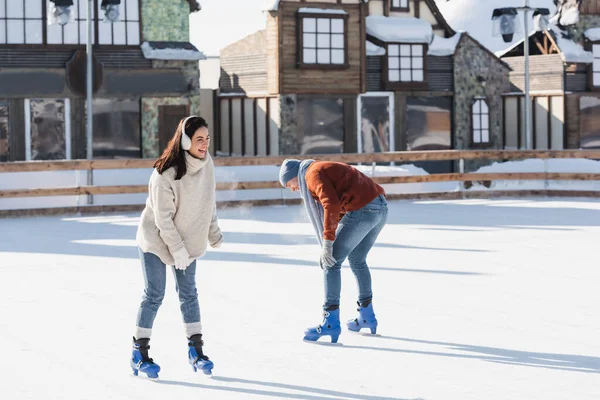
(288, 131)
(585, 22)
(471, 64)
(477, 73)
(166, 20)
(150, 145)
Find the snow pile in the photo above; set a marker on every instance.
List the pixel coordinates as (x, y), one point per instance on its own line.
(399, 29)
(571, 51)
(443, 46)
(475, 17)
(306, 10)
(593, 34)
(570, 16)
(535, 165)
(271, 5)
(374, 50)
(171, 53)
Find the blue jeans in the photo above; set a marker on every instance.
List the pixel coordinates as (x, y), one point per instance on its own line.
(155, 279)
(356, 233)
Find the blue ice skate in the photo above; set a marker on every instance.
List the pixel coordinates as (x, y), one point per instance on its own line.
(196, 357)
(140, 362)
(366, 319)
(329, 327)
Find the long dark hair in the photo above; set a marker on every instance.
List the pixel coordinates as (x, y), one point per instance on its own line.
(174, 155)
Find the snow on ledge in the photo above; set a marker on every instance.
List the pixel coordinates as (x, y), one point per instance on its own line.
(271, 5)
(307, 10)
(399, 29)
(171, 53)
(593, 34)
(443, 46)
(374, 50)
(570, 51)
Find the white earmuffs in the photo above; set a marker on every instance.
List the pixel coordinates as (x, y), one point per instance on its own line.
(186, 142)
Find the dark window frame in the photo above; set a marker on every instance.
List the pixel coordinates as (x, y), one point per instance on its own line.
(300, 40)
(97, 20)
(480, 116)
(5, 102)
(24, 20)
(400, 7)
(138, 101)
(410, 85)
(590, 47)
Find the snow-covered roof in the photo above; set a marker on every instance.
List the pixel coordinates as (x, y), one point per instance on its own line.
(194, 5)
(570, 51)
(308, 10)
(443, 46)
(399, 29)
(593, 34)
(171, 51)
(374, 50)
(475, 17)
(273, 5)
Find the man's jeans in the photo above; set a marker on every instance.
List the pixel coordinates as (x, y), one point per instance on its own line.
(155, 278)
(356, 234)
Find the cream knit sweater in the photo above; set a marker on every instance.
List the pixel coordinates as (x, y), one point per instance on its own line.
(181, 212)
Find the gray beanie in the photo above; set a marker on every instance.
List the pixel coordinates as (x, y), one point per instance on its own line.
(288, 171)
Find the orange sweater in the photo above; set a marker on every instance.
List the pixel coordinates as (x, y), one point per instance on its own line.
(340, 188)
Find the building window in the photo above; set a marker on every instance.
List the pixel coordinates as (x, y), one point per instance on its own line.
(323, 40)
(406, 63)
(22, 22)
(596, 66)
(320, 125)
(481, 122)
(117, 131)
(75, 31)
(429, 127)
(399, 5)
(47, 129)
(126, 31)
(589, 121)
(4, 149)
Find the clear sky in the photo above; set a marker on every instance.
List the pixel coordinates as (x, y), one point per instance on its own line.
(222, 22)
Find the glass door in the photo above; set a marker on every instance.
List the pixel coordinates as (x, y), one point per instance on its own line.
(376, 122)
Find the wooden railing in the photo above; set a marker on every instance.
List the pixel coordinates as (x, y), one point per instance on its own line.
(272, 183)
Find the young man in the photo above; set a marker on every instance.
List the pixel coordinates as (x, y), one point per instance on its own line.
(347, 210)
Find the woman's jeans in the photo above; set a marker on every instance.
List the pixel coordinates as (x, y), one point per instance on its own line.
(155, 278)
(355, 235)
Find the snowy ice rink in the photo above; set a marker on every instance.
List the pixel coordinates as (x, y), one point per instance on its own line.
(476, 299)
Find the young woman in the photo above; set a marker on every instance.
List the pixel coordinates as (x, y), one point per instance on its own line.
(180, 218)
(348, 211)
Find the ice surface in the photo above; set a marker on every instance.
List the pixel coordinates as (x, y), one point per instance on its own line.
(476, 299)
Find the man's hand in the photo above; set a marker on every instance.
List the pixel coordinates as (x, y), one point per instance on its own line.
(327, 259)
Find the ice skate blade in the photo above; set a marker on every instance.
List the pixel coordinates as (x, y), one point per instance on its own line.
(322, 343)
(366, 334)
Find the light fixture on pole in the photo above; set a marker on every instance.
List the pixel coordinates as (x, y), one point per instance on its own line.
(541, 19)
(504, 25)
(60, 12)
(111, 10)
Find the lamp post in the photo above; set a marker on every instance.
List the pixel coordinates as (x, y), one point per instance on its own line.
(61, 13)
(504, 20)
(88, 92)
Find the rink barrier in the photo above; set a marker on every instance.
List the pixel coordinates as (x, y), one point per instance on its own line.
(398, 157)
(382, 180)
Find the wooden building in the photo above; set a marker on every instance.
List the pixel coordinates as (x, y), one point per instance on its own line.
(145, 77)
(330, 76)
